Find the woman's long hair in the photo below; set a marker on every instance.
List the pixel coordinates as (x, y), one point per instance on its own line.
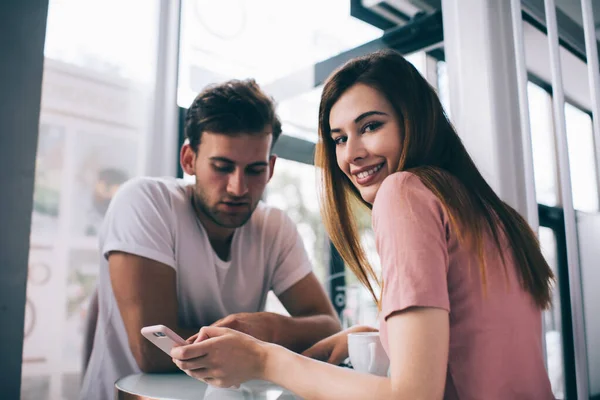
(431, 150)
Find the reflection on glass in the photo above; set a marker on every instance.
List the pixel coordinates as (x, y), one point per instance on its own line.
(543, 145)
(552, 318)
(580, 138)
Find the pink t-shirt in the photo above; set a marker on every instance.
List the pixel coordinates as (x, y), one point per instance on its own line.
(495, 342)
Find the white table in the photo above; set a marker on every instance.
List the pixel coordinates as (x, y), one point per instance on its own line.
(179, 386)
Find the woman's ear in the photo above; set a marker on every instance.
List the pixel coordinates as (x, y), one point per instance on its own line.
(187, 159)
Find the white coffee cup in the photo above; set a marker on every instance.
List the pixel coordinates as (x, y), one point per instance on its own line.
(367, 353)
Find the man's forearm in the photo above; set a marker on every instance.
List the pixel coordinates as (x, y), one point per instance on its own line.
(299, 333)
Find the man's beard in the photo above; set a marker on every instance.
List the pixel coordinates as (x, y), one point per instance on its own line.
(218, 217)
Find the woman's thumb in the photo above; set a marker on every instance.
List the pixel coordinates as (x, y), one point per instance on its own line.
(207, 332)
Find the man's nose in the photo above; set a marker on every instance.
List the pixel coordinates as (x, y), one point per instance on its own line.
(237, 185)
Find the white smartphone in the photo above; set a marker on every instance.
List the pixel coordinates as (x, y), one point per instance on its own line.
(164, 338)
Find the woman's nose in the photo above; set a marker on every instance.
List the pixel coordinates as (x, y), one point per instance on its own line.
(355, 150)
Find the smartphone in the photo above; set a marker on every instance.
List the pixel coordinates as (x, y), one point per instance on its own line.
(164, 338)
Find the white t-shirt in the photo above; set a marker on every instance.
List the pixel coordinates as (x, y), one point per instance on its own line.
(154, 218)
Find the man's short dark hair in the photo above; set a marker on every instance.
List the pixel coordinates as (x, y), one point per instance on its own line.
(231, 108)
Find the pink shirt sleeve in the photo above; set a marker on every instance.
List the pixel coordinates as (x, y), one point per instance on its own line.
(411, 231)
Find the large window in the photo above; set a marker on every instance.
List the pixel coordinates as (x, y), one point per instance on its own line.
(547, 191)
(581, 152)
(99, 82)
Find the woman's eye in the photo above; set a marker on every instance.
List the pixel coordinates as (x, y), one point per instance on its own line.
(372, 126)
(339, 140)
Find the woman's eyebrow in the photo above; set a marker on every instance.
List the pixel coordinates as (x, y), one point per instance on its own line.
(361, 117)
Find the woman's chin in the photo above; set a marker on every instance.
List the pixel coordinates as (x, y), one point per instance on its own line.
(368, 194)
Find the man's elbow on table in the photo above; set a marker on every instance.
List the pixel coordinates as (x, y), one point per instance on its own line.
(150, 359)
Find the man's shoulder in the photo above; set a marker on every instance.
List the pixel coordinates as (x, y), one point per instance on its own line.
(148, 199)
(269, 219)
(145, 212)
(155, 189)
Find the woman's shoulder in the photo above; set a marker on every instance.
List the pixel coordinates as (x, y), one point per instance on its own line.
(402, 186)
(402, 195)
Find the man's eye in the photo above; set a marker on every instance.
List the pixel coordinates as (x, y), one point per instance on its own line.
(223, 169)
(256, 171)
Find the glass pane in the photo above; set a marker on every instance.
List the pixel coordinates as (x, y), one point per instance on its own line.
(552, 319)
(98, 36)
(99, 79)
(360, 308)
(543, 144)
(300, 114)
(293, 189)
(275, 42)
(580, 138)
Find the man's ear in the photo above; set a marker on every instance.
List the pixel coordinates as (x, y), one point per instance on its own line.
(272, 160)
(187, 159)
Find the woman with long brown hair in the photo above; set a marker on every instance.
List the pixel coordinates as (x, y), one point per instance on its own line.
(463, 279)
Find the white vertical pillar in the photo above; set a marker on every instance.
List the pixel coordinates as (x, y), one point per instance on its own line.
(522, 79)
(558, 98)
(591, 51)
(162, 151)
(484, 98)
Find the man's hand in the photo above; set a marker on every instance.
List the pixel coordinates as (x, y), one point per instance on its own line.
(260, 325)
(334, 349)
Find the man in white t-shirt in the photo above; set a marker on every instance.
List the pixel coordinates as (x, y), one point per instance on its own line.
(188, 255)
